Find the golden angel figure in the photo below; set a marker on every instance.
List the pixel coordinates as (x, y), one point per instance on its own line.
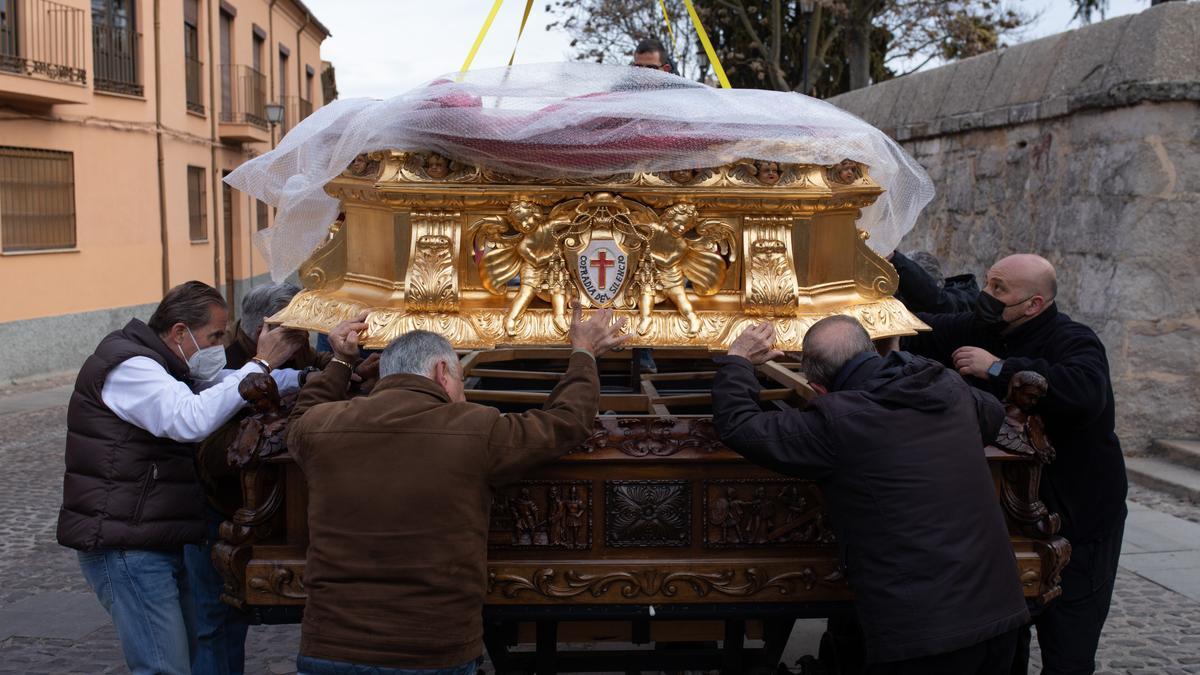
(672, 257)
(532, 253)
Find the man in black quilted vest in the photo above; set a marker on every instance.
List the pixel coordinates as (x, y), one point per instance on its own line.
(131, 499)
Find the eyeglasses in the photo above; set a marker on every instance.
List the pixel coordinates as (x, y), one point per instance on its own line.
(647, 65)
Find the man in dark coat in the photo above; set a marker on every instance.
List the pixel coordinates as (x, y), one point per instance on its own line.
(1017, 326)
(896, 444)
(924, 289)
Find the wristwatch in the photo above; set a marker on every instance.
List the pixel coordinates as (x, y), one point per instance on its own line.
(994, 369)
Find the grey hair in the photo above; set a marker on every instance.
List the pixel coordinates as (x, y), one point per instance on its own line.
(263, 301)
(932, 266)
(417, 352)
(829, 344)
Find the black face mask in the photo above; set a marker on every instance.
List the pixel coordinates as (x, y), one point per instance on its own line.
(989, 311)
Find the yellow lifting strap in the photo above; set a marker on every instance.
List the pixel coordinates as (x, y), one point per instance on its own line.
(524, 18)
(708, 48)
(667, 18)
(487, 23)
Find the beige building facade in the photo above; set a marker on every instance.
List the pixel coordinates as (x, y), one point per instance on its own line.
(118, 119)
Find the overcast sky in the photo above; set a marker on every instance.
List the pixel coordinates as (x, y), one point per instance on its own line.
(383, 47)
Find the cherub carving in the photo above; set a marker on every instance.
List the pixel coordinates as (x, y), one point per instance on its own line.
(261, 434)
(672, 257)
(767, 172)
(1022, 432)
(844, 172)
(437, 166)
(533, 253)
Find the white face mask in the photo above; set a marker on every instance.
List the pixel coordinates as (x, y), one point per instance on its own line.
(205, 363)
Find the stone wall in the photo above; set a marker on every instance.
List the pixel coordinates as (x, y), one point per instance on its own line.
(1083, 147)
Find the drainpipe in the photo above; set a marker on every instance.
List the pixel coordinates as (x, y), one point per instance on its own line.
(300, 62)
(158, 137)
(272, 60)
(216, 173)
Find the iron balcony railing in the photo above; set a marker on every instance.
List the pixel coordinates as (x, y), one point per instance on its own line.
(115, 56)
(295, 109)
(194, 76)
(243, 96)
(43, 39)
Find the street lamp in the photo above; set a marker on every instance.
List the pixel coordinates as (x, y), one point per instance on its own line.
(274, 113)
(806, 9)
(274, 117)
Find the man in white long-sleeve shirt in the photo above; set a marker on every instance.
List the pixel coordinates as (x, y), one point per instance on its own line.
(131, 499)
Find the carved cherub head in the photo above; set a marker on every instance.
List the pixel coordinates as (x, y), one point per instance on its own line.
(1025, 389)
(260, 390)
(766, 172)
(679, 219)
(844, 172)
(437, 166)
(682, 176)
(525, 215)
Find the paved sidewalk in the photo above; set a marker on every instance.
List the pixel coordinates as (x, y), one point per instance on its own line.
(51, 623)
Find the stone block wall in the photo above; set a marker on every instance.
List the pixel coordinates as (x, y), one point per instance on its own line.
(1083, 147)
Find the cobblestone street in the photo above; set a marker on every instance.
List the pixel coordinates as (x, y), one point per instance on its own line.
(50, 622)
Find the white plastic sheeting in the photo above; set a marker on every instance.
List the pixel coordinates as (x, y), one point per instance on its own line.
(571, 119)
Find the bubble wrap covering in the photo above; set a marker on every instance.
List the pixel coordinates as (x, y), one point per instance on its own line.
(570, 119)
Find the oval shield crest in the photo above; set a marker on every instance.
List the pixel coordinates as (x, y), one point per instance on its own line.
(602, 267)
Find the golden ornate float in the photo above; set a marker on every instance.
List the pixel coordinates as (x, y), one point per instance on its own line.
(691, 257)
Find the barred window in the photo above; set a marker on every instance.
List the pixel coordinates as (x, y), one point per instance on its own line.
(197, 204)
(37, 199)
(263, 218)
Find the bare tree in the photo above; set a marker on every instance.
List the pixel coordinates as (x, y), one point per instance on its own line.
(763, 43)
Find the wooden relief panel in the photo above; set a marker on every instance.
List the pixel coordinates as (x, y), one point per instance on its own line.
(755, 513)
(541, 514)
(647, 513)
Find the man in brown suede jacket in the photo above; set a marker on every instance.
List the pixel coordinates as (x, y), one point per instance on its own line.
(400, 487)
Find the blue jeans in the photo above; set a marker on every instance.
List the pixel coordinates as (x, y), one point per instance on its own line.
(307, 665)
(220, 629)
(146, 594)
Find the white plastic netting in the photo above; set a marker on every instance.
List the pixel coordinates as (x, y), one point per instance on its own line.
(571, 119)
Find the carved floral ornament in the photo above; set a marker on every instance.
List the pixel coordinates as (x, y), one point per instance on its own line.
(690, 257)
(647, 584)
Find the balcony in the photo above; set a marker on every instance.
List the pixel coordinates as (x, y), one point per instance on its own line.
(243, 116)
(194, 83)
(295, 110)
(42, 53)
(115, 60)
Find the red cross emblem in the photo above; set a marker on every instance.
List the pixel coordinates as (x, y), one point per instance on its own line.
(602, 263)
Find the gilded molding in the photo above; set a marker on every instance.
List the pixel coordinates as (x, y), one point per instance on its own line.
(689, 257)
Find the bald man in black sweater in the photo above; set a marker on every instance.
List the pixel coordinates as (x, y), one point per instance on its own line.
(1016, 326)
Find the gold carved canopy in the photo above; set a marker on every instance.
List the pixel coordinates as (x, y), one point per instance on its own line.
(691, 257)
